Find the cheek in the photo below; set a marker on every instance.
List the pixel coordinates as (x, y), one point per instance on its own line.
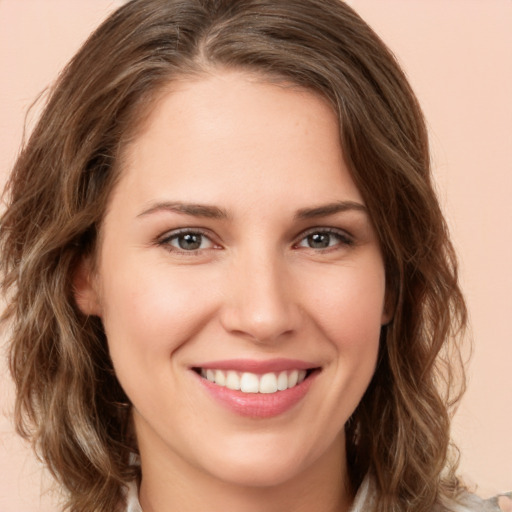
(349, 313)
(151, 312)
(349, 307)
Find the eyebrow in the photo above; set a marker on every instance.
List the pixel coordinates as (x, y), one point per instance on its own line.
(329, 209)
(196, 210)
(214, 212)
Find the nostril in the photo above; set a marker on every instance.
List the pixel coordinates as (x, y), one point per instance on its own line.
(260, 310)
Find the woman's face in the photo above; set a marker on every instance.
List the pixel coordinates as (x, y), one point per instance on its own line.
(237, 248)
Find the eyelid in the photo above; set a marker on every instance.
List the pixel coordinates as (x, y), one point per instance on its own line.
(347, 238)
(165, 239)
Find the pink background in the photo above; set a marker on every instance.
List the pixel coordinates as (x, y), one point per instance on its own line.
(458, 56)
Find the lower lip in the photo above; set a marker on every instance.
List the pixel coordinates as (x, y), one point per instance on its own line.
(258, 405)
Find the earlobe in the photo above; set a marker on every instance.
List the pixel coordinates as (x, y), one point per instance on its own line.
(387, 317)
(388, 311)
(85, 289)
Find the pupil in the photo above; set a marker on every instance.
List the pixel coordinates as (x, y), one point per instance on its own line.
(319, 240)
(190, 241)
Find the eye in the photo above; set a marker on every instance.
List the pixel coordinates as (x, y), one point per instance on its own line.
(187, 241)
(324, 239)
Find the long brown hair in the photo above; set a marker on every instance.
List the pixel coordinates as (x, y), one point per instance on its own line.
(69, 402)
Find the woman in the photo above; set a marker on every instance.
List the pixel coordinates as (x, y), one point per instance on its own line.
(230, 282)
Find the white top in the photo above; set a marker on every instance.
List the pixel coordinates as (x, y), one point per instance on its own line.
(363, 501)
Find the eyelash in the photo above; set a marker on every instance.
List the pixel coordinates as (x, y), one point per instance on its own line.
(344, 239)
(166, 240)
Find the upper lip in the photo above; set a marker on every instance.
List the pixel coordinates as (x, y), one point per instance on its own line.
(258, 366)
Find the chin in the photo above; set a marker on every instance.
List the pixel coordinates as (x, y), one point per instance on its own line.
(249, 474)
(261, 464)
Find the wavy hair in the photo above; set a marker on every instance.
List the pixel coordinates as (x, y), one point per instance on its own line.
(69, 402)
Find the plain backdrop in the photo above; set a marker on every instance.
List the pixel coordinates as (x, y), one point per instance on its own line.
(458, 56)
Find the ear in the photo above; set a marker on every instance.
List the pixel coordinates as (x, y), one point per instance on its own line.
(387, 316)
(85, 289)
(388, 312)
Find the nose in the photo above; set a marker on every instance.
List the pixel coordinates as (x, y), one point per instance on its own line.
(260, 304)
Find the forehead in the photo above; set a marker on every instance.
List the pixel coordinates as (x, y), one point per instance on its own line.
(233, 130)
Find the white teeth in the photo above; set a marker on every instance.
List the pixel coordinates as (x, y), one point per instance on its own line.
(268, 383)
(220, 378)
(248, 382)
(282, 381)
(232, 380)
(293, 378)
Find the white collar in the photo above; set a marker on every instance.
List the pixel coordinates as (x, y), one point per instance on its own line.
(361, 502)
(132, 497)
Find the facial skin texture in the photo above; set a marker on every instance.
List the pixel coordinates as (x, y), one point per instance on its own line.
(256, 289)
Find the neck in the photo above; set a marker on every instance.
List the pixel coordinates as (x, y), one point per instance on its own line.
(170, 483)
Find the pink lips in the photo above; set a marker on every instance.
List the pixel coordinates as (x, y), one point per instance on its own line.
(258, 405)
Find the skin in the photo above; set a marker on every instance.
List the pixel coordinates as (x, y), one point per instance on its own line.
(261, 154)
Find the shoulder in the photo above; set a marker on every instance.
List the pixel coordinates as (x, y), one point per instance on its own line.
(366, 499)
(471, 503)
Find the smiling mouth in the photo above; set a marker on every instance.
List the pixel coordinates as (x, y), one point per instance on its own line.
(248, 382)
